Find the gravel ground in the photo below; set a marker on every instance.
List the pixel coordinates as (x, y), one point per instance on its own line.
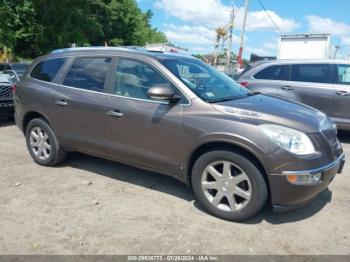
(93, 206)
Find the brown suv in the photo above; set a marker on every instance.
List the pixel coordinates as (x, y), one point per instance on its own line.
(178, 116)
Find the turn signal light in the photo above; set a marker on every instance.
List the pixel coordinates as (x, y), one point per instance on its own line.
(292, 179)
(305, 179)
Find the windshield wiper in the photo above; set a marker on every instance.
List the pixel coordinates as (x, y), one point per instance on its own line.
(224, 99)
(253, 93)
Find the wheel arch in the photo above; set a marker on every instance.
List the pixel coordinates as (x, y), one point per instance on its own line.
(30, 116)
(224, 145)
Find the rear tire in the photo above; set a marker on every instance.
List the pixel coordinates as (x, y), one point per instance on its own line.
(228, 185)
(43, 144)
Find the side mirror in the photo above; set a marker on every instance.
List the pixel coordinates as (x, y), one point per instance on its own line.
(163, 93)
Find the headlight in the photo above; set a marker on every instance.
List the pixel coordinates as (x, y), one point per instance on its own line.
(289, 139)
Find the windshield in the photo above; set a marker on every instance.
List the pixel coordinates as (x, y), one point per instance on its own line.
(20, 68)
(205, 81)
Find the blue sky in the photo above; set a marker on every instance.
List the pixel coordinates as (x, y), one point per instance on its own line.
(191, 23)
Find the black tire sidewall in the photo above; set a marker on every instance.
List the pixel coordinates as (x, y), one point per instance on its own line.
(53, 141)
(257, 181)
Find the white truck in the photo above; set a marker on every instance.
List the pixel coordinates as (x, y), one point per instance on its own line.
(304, 46)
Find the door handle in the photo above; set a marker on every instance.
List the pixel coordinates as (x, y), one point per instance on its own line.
(115, 113)
(61, 103)
(288, 88)
(343, 93)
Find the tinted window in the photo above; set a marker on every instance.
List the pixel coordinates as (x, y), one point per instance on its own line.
(318, 73)
(133, 79)
(88, 73)
(343, 74)
(47, 70)
(20, 68)
(276, 72)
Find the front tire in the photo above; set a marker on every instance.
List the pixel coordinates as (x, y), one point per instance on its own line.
(42, 143)
(228, 185)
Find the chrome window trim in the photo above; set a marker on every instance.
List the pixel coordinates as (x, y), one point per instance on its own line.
(113, 95)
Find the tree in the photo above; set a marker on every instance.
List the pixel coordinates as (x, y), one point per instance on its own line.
(34, 27)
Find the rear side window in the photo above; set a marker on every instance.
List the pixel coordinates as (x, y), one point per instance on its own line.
(317, 73)
(276, 72)
(343, 74)
(88, 73)
(47, 70)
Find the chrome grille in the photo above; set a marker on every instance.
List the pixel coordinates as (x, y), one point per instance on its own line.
(5, 92)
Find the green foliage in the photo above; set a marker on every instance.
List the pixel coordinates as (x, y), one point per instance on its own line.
(34, 27)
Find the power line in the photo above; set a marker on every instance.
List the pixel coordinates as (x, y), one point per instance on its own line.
(267, 13)
(239, 8)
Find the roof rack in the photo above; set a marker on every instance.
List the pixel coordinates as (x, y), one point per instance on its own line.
(71, 49)
(117, 48)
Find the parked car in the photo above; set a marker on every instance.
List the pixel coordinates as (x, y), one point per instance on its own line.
(19, 68)
(5, 66)
(176, 115)
(322, 84)
(7, 79)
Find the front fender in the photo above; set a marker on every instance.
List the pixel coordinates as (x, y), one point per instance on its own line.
(217, 140)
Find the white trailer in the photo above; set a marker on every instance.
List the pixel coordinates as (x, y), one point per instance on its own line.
(304, 46)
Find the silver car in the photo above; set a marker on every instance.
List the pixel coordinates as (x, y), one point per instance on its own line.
(322, 84)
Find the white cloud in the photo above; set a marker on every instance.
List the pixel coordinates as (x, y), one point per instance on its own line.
(189, 34)
(319, 24)
(259, 20)
(198, 35)
(213, 13)
(201, 17)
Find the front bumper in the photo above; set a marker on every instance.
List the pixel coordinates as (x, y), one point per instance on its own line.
(285, 195)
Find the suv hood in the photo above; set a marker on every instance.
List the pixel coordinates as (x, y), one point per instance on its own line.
(266, 109)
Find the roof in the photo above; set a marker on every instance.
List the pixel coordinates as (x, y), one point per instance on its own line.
(294, 61)
(311, 35)
(128, 49)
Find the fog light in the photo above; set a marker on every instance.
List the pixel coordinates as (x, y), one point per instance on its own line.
(304, 179)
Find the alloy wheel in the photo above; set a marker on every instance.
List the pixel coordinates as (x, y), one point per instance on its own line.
(40, 143)
(226, 186)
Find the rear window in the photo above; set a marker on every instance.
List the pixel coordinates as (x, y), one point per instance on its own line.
(47, 70)
(88, 73)
(317, 73)
(276, 72)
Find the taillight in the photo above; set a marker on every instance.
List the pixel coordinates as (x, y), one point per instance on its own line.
(14, 87)
(244, 83)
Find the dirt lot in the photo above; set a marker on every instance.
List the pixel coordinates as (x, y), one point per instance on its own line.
(129, 211)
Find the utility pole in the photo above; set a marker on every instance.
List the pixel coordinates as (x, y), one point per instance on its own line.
(229, 49)
(336, 49)
(240, 55)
